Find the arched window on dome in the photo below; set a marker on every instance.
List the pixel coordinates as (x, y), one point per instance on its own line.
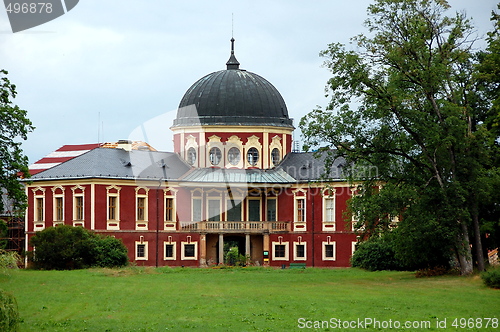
(275, 156)
(215, 156)
(191, 156)
(234, 156)
(253, 156)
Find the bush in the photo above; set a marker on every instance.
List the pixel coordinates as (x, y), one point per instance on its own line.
(110, 252)
(9, 313)
(491, 278)
(9, 259)
(374, 255)
(66, 247)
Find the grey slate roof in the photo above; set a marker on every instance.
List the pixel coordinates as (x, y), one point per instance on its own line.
(118, 163)
(304, 166)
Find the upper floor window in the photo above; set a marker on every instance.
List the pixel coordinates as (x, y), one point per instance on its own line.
(234, 156)
(191, 156)
(169, 209)
(301, 209)
(78, 208)
(59, 210)
(253, 156)
(271, 209)
(39, 209)
(215, 156)
(275, 156)
(141, 208)
(112, 208)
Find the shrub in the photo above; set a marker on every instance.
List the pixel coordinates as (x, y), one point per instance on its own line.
(9, 259)
(110, 252)
(491, 278)
(66, 247)
(376, 254)
(9, 313)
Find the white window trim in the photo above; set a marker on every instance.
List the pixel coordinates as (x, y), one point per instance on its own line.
(146, 203)
(329, 225)
(287, 251)
(174, 250)
(183, 244)
(173, 196)
(145, 258)
(323, 250)
(299, 226)
(295, 258)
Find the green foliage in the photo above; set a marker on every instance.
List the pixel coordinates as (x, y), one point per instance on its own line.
(110, 252)
(234, 258)
(14, 126)
(9, 259)
(376, 254)
(491, 278)
(406, 108)
(9, 313)
(3, 234)
(67, 247)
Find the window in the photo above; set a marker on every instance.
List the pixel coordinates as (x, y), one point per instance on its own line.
(189, 251)
(78, 208)
(39, 216)
(196, 209)
(280, 251)
(328, 251)
(59, 210)
(328, 213)
(300, 251)
(253, 156)
(141, 250)
(191, 156)
(234, 156)
(215, 156)
(254, 210)
(141, 208)
(169, 251)
(233, 210)
(271, 209)
(169, 209)
(275, 156)
(214, 210)
(301, 202)
(112, 208)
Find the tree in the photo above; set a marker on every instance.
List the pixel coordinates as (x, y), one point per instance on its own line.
(407, 103)
(14, 126)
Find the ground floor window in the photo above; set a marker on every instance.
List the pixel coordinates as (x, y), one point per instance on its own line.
(299, 252)
(169, 251)
(328, 251)
(141, 251)
(280, 251)
(189, 251)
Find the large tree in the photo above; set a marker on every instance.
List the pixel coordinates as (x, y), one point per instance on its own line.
(14, 128)
(405, 102)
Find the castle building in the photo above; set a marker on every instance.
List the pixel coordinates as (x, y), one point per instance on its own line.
(231, 181)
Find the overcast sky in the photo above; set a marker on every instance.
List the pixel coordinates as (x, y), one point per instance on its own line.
(110, 70)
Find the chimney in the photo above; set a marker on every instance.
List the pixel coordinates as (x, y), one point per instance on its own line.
(125, 144)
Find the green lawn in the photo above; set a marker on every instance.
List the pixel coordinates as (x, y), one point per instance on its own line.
(137, 299)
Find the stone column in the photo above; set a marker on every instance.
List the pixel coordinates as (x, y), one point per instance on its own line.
(221, 248)
(203, 250)
(247, 246)
(266, 247)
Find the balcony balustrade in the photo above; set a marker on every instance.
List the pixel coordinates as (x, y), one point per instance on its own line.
(235, 226)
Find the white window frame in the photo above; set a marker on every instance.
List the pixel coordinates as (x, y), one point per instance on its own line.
(287, 251)
(295, 257)
(229, 207)
(299, 225)
(248, 208)
(170, 224)
(183, 248)
(323, 250)
(275, 199)
(145, 243)
(327, 224)
(174, 251)
(56, 197)
(219, 201)
(113, 224)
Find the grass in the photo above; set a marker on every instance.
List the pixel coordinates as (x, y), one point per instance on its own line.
(147, 299)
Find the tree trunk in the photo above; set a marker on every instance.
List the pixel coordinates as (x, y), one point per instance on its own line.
(464, 251)
(478, 246)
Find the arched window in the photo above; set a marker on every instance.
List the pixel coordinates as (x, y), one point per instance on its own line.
(215, 156)
(253, 156)
(275, 156)
(191, 156)
(234, 156)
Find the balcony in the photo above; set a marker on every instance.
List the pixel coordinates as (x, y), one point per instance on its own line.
(256, 227)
